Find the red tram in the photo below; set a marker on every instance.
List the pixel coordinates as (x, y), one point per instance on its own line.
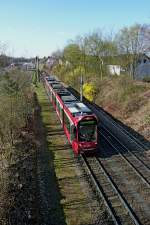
(78, 121)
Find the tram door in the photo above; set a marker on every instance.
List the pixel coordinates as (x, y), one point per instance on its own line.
(73, 138)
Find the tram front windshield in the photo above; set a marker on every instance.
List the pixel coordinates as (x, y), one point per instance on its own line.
(87, 131)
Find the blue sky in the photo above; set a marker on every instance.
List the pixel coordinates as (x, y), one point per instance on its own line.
(39, 27)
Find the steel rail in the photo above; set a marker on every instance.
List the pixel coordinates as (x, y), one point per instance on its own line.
(133, 154)
(100, 190)
(118, 192)
(127, 161)
(123, 130)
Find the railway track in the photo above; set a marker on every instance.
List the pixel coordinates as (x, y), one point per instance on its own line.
(124, 163)
(135, 143)
(136, 148)
(106, 120)
(141, 169)
(118, 207)
(126, 174)
(123, 130)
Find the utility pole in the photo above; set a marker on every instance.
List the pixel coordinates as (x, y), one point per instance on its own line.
(37, 67)
(81, 88)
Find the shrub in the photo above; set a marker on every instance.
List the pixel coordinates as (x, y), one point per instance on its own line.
(89, 91)
(15, 105)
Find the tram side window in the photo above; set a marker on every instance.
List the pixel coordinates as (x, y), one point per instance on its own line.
(54, 99)
(58, 107)
(57, 104)
(61, 112)
(50, 93)
(67, 122)
(73, 132)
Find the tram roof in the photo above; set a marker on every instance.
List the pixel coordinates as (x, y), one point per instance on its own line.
(53, 82)
(63, 92)
(50, 79)
(68, 98)
(78, 109)
(56, 86)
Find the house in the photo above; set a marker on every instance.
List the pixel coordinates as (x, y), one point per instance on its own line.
(142, 70)
(28, 66)
(50, 62)
(114, 69)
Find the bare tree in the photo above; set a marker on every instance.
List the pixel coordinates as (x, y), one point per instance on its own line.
(100, 46)
(132, 42)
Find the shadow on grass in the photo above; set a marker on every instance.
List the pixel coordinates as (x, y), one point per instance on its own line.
(56, 132)
(51, 211)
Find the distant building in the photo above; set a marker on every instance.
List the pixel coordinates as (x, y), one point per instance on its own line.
(28, 66)
(50, 61)
(114, 69)
(17, 65)
(143, 68)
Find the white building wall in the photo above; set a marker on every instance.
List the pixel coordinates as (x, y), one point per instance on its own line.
(114, 69)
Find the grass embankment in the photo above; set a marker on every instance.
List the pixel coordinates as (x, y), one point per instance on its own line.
(65, 201)
(128, 101)
(18, 200)
(17, 150)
